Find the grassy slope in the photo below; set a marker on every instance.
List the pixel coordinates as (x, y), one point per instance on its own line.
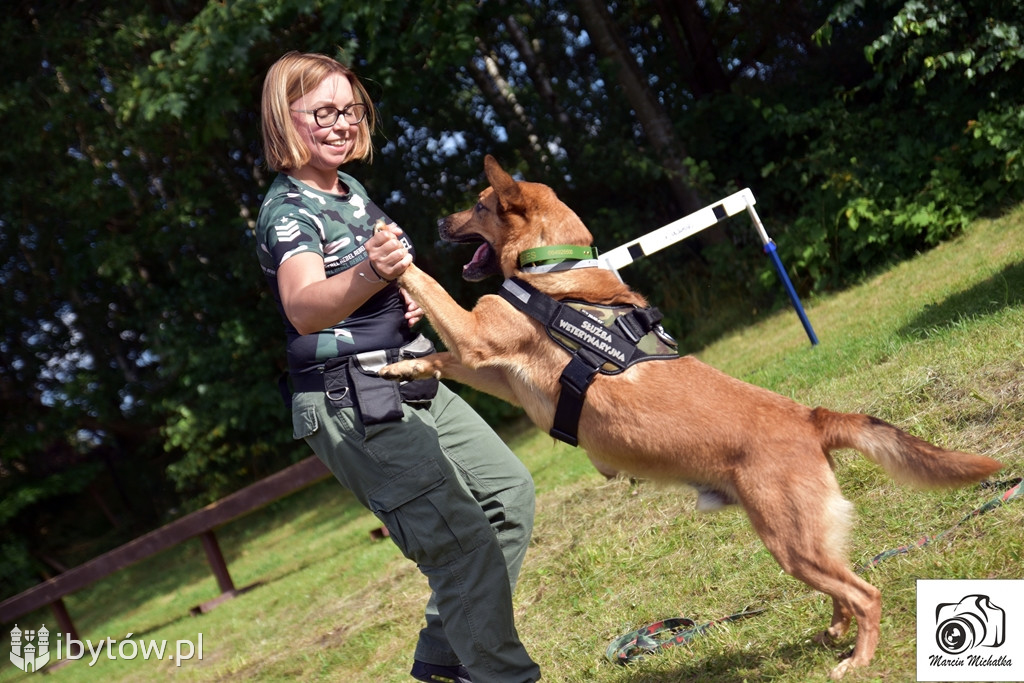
(934, 345)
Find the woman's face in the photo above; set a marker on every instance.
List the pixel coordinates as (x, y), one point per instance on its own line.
(330, 147)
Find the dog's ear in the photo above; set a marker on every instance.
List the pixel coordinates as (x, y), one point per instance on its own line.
(509, 196)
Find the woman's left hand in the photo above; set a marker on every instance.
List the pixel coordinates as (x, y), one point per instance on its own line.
(413, 312)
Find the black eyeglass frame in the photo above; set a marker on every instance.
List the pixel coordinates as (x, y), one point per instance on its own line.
(327, 116)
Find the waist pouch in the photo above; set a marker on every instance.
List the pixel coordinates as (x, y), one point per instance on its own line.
(354, 381)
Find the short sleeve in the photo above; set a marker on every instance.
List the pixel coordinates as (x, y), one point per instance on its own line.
(286, 230)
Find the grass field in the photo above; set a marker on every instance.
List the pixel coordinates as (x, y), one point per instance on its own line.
(935, 345)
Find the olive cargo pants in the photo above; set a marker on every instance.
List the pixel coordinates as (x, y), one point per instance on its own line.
(457, 502)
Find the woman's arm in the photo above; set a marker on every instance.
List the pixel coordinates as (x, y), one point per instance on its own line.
(314, 302)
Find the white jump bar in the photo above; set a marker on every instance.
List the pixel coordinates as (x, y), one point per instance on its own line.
(678, 230)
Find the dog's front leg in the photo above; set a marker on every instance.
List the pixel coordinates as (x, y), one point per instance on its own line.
(472, 337)
(463, 362)
(446, 316)
(426, 367)
(443, 365)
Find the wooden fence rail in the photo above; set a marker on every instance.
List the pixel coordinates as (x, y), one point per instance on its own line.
(200, 523)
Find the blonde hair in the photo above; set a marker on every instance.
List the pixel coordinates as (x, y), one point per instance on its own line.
(291, 77)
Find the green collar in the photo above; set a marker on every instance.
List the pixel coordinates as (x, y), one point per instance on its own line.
(543, 256)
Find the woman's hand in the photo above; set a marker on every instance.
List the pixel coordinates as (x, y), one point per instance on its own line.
(387, 254)
(413, 312)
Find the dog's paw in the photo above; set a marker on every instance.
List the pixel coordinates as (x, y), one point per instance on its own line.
(842, 669)
(823, 638)
(409, 369)
(833, 633)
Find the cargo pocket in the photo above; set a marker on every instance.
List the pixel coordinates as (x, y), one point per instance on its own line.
(431, 526)
(304, 422)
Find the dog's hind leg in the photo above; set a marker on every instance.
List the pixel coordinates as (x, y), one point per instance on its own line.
(803, 521)
(841, 618)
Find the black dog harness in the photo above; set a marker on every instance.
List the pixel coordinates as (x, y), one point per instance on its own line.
(606, 339)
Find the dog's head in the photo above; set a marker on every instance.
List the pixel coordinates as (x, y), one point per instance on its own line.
(509, 218)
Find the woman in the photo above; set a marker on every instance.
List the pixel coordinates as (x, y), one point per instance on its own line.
(454, 498)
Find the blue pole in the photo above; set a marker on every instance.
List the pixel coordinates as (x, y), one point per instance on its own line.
(769, 248)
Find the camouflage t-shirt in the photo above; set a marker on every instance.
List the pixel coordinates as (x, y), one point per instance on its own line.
(295, 219)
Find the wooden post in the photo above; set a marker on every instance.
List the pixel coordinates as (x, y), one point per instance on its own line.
(66, 625)
(216, 559)
(220, 570)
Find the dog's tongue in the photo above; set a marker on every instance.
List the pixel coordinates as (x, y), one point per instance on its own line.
(479, 257)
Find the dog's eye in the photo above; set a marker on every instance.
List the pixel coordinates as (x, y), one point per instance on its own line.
(480, 206)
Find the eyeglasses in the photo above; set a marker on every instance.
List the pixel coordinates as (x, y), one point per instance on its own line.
(326, 117)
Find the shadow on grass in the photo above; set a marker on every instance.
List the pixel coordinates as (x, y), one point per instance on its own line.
(1003, 290)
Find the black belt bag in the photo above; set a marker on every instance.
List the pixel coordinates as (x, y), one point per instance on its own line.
(354, 381)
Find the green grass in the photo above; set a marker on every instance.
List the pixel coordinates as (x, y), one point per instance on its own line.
(935, 344)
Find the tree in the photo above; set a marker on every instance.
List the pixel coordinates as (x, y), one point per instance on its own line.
(652, 116)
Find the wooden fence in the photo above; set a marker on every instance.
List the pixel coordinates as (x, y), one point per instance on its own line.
(199, 524)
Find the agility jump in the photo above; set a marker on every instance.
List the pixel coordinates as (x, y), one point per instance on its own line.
(690, 225)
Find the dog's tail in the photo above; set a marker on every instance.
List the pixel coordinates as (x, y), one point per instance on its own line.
(906, 458)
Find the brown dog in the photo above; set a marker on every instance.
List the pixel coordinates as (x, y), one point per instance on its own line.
(675, 420)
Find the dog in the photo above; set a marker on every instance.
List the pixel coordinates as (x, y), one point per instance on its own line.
(677, 420)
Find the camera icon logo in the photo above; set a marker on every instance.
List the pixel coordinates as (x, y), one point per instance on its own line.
(973, 622)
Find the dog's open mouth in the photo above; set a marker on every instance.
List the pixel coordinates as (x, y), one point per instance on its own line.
(485, 260)
(483, 264)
